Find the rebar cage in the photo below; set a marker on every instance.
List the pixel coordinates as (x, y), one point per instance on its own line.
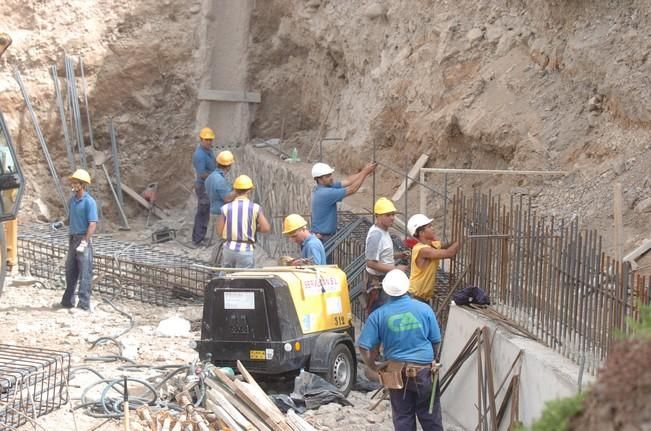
(124, 269)
(33, 382)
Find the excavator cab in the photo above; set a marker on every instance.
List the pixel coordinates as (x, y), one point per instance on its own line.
(12, 185)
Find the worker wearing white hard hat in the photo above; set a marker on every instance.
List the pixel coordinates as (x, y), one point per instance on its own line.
(328, 193)
(425, 257)
(409, 335)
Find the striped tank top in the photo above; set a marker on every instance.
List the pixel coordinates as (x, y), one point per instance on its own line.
(241, 217)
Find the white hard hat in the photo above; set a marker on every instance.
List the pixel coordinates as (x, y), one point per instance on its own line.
(321, 169)
(416, 221)
(395, 283)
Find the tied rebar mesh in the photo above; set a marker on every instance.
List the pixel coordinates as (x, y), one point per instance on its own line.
(33, 382)
(126, 269)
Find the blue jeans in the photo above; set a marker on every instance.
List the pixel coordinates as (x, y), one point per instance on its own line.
(202, 217)
(79, 267)
(238, 259)
(413, 401)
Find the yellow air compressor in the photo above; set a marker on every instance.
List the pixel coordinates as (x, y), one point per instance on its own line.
(280, 320)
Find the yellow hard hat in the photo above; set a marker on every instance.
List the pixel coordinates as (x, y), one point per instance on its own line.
(81, 175)
(384, 206)
(225, 158)
(243, 182)
(293, 222)
(207, 133)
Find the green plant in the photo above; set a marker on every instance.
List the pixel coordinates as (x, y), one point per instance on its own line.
(640, 328)
(557, 414)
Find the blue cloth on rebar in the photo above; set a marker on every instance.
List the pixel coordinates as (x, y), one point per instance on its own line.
(471, 295)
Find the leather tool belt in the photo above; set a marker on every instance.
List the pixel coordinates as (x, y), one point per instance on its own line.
(393, 373)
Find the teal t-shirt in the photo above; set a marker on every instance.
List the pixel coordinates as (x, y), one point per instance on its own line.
(405, 327)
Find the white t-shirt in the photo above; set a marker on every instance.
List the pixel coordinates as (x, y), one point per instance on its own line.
(379, 246)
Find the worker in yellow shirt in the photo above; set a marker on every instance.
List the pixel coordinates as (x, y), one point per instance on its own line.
(425, 257)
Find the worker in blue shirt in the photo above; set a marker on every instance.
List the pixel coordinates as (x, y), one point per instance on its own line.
(328, 193)
(218, 188)
(79, 262)
(203, 161)
(312, 250)
(409, 335)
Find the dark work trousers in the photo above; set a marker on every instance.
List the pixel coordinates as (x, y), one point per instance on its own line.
(414, 401)
(202, 217)
(79, 267)
(375, 295)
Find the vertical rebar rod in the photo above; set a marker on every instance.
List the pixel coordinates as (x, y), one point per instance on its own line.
(85, 94)
(62, 114)
(76, 114)
(41, 140)
(116, 161)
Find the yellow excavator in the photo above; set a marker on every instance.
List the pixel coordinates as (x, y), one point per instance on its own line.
(12, 185)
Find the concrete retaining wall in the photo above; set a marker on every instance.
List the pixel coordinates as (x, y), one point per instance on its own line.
(545, 375)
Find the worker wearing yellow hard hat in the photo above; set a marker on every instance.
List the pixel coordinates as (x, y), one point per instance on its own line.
(238, 223)
(312, 250)
(379, 252)
(203, 161)
(218, 187)
(79, 262)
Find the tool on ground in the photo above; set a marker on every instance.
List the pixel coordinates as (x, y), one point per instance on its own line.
(126, 405)
(150, 194)
(163, 235)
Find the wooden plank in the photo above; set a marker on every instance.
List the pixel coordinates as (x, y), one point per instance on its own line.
(223, 378)
(247, 412)
(635, 254)
(299, 422)
(142, 201)
(229, 96)
(232, 411)
(248, 394)
(223, 415)
(412, 174)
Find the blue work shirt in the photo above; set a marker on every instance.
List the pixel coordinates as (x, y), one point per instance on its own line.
(324, 207)
(83, 211)
(203, 161)
(405, 327)
(312, 248)
(217, 188)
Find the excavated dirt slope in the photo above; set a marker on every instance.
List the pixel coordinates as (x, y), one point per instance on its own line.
(542, 84)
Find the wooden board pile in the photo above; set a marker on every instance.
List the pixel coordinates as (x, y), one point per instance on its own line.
(229, 405)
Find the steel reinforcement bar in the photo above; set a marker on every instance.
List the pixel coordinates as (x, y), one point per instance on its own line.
(129, 270)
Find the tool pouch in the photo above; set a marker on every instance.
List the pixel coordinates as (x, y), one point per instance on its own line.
(391, 375)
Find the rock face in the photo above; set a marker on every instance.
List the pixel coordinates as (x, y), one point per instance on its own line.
(529, 85)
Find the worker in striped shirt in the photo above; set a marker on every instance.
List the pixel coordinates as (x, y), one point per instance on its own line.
(238, 224)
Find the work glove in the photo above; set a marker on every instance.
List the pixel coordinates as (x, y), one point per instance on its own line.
(82, 246)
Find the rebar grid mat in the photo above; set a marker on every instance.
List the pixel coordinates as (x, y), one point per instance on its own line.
(33, 382)
(546, 275)
(130, 270)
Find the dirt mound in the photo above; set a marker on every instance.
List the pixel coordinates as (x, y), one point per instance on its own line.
(620, 399)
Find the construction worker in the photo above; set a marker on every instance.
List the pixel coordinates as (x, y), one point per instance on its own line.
(312, 250)
(425, 256)
(79, 262)
(218, 188)
(328, 192)
(379, 253)
(203, 161)
(409, 335)
(238, 224)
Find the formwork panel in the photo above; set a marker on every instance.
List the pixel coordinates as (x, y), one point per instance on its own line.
(33, 382)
